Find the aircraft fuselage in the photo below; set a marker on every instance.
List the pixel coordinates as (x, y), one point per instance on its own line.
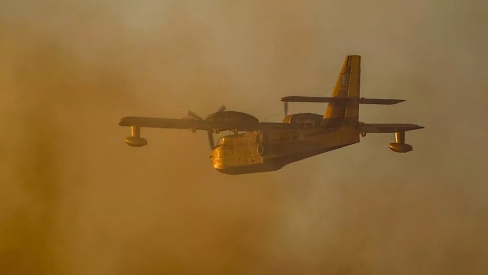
(257, 151)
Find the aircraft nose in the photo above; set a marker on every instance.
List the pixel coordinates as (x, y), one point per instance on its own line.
(213, 155)
(215, 159)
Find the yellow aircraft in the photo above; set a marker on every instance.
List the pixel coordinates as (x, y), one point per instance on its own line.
(257, 146)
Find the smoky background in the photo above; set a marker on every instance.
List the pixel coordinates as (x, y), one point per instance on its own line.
(76, 200)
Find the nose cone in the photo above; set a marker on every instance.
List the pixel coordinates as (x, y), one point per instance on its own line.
(215, 158)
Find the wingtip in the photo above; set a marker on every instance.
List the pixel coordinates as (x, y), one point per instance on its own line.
(125, 121)
(122, 121)
(395, 101)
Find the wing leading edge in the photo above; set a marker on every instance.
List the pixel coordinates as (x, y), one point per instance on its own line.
(171, 123)
(387, 128)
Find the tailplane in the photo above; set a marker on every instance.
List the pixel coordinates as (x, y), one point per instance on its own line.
(362, 100)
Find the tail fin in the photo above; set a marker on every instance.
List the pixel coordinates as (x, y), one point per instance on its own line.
(347, 86)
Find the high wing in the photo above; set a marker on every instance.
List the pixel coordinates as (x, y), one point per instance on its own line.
(200, 124)
(387, 128)
(206, 125)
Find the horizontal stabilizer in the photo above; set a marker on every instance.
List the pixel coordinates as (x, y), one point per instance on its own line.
(387, 128)
(379, 101)
(362, 100)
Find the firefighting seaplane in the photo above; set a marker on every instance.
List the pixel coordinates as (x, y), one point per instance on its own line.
(255, 146)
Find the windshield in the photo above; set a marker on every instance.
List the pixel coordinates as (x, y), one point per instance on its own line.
(220, 141)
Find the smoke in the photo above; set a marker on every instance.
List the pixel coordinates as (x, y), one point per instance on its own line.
(76, 200)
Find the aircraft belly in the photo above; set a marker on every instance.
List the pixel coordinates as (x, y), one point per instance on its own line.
(276, 161)
(332, 139)
(248, 169)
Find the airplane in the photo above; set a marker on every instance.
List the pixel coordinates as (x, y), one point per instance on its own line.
(255, 146)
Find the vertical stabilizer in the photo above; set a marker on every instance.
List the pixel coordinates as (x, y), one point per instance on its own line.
(347, 86)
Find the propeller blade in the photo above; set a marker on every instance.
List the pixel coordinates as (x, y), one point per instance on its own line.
(286, 107)
(222, 108)
(193, 115)
(211, 140)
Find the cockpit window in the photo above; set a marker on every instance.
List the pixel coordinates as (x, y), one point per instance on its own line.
(220, 141)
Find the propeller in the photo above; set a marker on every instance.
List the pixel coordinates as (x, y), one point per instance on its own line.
(193, 115)
(221, 109)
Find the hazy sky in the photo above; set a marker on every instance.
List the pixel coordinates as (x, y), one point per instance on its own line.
(76, 200)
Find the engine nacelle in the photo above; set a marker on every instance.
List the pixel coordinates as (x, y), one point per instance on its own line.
(304, 118)
(232, 116)
(399, 146)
